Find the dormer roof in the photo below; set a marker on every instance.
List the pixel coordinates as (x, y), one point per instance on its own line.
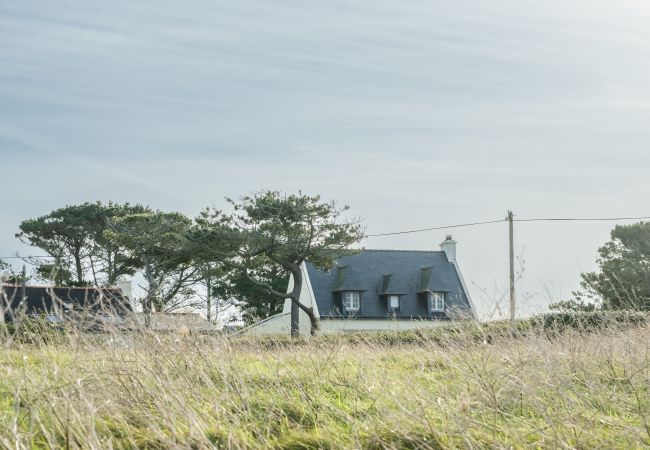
(346, 279)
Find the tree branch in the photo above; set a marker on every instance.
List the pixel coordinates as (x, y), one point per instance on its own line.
(268, 287)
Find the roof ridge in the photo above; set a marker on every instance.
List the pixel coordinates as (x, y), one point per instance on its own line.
(399, 250)
(42, 286)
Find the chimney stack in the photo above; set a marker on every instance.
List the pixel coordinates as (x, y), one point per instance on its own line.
(449, 247)
(126, 289)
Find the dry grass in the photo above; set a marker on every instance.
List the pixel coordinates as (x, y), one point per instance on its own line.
(577, 390)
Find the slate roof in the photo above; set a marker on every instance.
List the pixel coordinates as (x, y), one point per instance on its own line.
(53, 300)
(378, 273)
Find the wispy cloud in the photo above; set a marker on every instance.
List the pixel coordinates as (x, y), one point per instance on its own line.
(415, 113)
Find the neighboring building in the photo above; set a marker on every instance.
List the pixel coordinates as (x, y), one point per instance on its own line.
(56, 303)
(381, 289)
(182, 323)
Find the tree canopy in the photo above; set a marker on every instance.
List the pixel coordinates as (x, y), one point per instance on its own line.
(287, 230)
(253, 298)
(212, 244)
(74, 237)
(159, 241)
(623, 278)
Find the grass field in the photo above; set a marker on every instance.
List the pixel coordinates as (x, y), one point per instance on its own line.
(575, 390)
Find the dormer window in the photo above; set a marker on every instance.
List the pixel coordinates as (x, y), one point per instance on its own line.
(351, 301)
(436, 301)
(393, 302)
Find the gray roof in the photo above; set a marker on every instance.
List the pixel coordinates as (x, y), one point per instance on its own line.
(378, 273)
(52, 299)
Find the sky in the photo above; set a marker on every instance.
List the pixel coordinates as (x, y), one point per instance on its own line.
(416, 114)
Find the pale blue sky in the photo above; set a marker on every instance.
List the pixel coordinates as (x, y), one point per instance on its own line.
(415, 113)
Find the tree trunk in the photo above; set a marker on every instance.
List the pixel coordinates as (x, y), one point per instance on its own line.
(110, 270)
(296, 271)
(77, 263)
(146, 310)
(295, 319)
(149, 299)
(208, 287)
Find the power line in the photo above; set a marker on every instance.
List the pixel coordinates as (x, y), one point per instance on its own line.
(28, 256)
(580, 219)
(537, 219)
(436, 228)
(446, 227)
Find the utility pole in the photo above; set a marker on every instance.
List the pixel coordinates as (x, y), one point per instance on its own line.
(512, 267)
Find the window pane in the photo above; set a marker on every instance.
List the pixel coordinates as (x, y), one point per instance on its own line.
(394, 301)
(351, 301)
(437, 301)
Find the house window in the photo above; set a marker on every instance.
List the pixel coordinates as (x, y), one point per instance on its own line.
(437, 301)
(393, 302)
(351, 301)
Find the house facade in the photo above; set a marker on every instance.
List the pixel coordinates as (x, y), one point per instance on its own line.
(381, 290)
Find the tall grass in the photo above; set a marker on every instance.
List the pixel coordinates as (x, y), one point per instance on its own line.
(523, 389)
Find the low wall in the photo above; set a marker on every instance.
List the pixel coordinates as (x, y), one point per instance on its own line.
(281, 324)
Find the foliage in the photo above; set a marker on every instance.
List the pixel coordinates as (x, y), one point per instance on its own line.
(253, 299)
(9, 275)
(548, 326)
(34, 331)
(577, 304)
(623, 279)
(74, 237)
(58, 274)
(212, 245)
(108, 258)
(159, 242)
(286, 231)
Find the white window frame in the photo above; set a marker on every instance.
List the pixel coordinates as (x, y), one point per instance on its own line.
(437, 301)
(351, 301)
(390, 302)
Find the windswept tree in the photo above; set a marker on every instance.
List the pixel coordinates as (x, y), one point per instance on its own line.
(108, 261)
(64, 234)
(287, 231)
(212, 244)
(159, 241)
(623, 278)
(74, 237)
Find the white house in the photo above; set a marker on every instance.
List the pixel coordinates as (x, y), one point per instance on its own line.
(380, 290)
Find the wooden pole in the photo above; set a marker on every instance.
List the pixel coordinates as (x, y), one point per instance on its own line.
(513, 314)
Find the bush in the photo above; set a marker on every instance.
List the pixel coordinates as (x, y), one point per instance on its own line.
(548, 325)
(33, 331)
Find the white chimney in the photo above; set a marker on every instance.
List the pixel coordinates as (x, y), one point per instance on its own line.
(449, 247)
(125, 288)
